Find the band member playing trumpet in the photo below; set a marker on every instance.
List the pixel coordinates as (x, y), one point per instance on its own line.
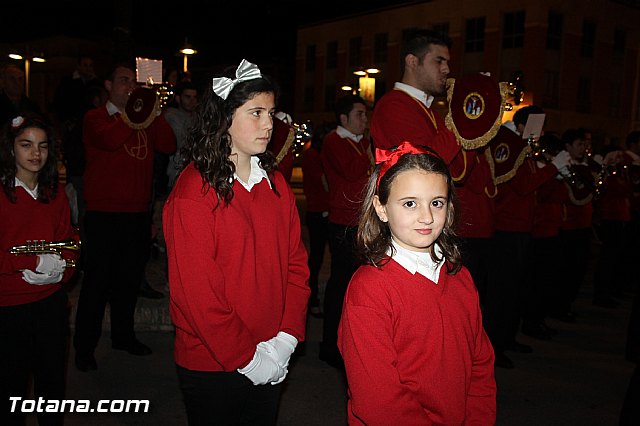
(33, 305)
(118, 182)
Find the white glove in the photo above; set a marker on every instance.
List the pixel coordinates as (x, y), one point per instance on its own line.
(561, 160)
(263, 368)
(41, 279)
(50, 264)
(281, 348)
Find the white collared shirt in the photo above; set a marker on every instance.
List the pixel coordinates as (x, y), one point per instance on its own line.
(111, 108)
(418, 262)
(344, 133)
(425, 99)
(33, 192)
(255, 176)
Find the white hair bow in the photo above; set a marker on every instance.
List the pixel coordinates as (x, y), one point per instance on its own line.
(222, 86)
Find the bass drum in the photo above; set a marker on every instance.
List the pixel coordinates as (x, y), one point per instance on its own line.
(142, 108)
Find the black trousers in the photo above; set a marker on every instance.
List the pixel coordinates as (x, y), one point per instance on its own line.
(508, 287)
(547, 278)
(477, 257)
(35, 338)
(576, 254)
(227, 399)
(117, 249)
(343, 266)
(610, 271)
(318, 238)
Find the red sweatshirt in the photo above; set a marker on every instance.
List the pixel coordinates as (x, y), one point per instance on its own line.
(29, 219)
(347, 166)
(548, 210)
(477, 207)
(312, 175)
(398, 117)
(238, 274)
(415, 352)
(119, 171)
(516, 197)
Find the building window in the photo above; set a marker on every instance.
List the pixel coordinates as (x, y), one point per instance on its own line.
(583, 103)
(619, 43)
(310, 60)
(380, 48)
(355, 48)
(588, 39)
(474, 37)
(330, 97)
(308, 99)
(551, 89)
(554, 30)
(332, 55)
(442, 28)
(513, 30)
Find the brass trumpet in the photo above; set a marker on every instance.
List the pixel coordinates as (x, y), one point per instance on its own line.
(42, 247)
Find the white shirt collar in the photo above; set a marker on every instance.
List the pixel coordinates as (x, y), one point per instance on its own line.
(33, 192)
(415, 93)
(112, 109)
(418, 262)
(255, 176)
(344, 133)
(511, 126)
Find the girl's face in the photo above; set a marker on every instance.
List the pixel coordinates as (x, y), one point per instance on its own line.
(31, 149)
(251, 125)
(416, 210)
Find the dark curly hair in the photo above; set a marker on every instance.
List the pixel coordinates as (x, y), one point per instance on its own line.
(373, 239)
(208, 143)
(48, 175)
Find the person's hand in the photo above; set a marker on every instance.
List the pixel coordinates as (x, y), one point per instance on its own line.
(561, 160)
(41, 279)
(50, 263)
(263, 368)
(281, 348)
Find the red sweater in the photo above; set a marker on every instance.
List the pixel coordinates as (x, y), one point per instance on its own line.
(548, 210)
(477, 208)
(615, 202)
(312, 175)
(398, 117)
(415, 352)
(238, 274)
(347, 169)
(29, 219)
(119, 171)
(516, 197)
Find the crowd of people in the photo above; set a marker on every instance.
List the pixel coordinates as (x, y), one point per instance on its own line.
(441, 255)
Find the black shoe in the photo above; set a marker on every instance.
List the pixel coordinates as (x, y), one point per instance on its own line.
(134, 348)
(148, 292)
(86, 362)
(503, 361)
(519, 348)
(568, 317)
(605, 302)
(537, 331)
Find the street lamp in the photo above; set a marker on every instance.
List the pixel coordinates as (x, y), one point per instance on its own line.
(36, 57)
(187, 50)
(367, 84)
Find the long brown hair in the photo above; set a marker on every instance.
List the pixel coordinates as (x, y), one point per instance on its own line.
(373, 239)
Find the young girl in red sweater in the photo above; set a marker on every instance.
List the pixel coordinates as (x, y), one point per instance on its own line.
(33, 305)
(411, 332)
(237, 266)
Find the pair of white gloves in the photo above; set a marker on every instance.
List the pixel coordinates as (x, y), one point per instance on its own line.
(50, 270)
(271, 359)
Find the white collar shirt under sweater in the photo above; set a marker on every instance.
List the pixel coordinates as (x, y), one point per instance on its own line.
(418, 262)
(255, 176)
(418, 94)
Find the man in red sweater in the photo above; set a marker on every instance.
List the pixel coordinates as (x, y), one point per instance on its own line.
(510, 275)
(347, 161)
(118, 183)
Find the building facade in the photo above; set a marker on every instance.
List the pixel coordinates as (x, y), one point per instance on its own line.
(579, 60)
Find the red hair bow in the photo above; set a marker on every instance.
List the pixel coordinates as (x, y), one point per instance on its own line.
(387, 158)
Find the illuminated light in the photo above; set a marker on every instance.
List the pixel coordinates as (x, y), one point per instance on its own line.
(39, 59)
(15, 56)
(360, 72)
(372, 71)
(188, 51)
(347, 88)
